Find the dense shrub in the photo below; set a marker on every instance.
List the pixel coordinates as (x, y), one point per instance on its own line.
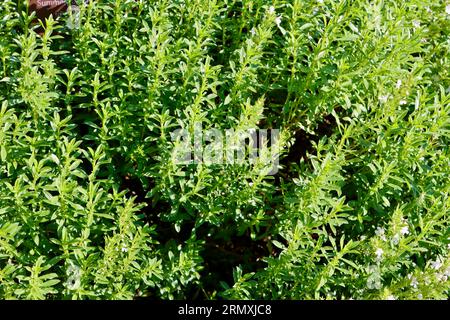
(93, 204)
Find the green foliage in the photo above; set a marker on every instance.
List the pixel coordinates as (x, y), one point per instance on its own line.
(93, 204)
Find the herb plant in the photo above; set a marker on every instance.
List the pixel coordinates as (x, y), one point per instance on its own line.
(94, 205)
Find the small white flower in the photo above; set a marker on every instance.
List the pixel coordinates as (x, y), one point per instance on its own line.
(416, 23)
(253, 32)
(374, 278)
(384, 99)
(380, 232)
(404, 230)
(73, 277)
(379, 253)
(320, 1)
(73, 21)
(447, 272)
(396, 239)
(278, 20)
(390, 297)
(250, 184)
(124, 249)
(436, 264)
(441, 277)
(271, 10)
(403, 102)
(398, 84)
(447, 9)
(420, 296)
(73, 270)
(414, 282)
(73, 283)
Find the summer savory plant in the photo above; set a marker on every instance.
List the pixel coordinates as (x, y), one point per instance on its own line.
(95, 205)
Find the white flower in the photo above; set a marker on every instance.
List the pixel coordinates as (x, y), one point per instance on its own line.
(124, 249)
(320, 1)
(73, 21)
(420, 296)
(414, 282)
(390, 297)
(403, 102)
(380, 232)
(374, 278)
(436, 264)
(73, 283)
(250, 184)
(441, 277)
(253, 32)
(447, 9)
(73, 270)
(447, 272)
(398, 84)
(396, 239)
(404, 230)
(379, 253)
(278, 20)
(416, 24)
(271, 10)
(384, 99)
(73, 277)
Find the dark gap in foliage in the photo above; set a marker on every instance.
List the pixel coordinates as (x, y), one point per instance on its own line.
(224, 251)
(165, 230)
(236, 10)
(303, 145)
